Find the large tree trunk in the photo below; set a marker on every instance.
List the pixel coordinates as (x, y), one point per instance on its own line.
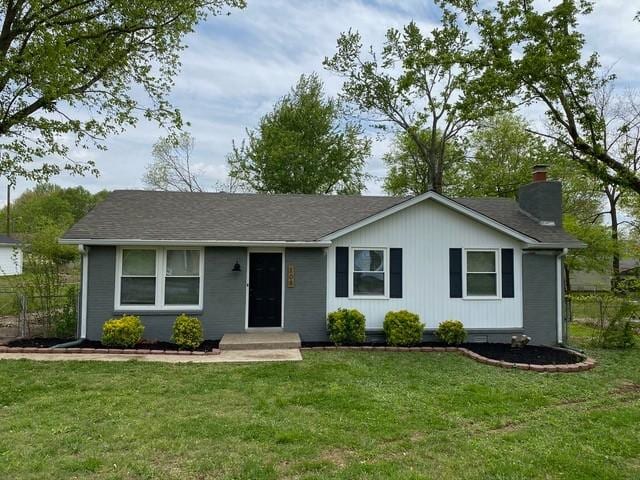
(613, 197)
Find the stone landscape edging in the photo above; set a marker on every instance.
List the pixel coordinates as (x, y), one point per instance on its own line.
(587, 363)
(114, 351)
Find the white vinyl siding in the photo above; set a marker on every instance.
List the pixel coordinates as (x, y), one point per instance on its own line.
(425, 232)
(10, 260)
(158, 278)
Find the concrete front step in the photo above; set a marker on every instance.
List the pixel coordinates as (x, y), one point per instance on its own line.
(260, 341)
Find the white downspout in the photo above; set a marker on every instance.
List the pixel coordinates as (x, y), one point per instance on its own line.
(84, 251)
(560, 294)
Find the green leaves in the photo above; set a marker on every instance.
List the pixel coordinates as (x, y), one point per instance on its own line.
(303, 146)
(68, 70)
(418, 82)
(536, 56)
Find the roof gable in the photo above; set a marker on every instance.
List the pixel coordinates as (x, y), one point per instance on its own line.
(441, 199)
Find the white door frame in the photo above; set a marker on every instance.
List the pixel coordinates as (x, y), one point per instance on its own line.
(246, 296)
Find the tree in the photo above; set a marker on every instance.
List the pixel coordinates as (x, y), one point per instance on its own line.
(172, 167)
(500, 156)
(50, 205)
(418, 83)
(302, 146)
(537, 57)
(408, 172)
(69, 69)
(617, 116)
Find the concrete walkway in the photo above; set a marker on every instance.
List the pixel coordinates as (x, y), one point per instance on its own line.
(228, 356)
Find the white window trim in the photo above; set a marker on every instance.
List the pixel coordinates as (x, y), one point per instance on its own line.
(386, 274)
(496, 252)
(161, 259)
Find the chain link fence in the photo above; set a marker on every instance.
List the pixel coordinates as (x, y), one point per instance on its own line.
(23, 315)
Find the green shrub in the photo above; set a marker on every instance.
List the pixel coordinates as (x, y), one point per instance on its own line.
(619, 332)
(403, 328)
(346, 326)
(65, 323)
(122, 332)
(187, 332)
(451, 332)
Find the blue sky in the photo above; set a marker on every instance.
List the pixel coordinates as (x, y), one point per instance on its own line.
(237, 66)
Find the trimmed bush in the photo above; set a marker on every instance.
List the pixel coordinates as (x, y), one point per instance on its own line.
(122, 332)
(451, 332)
(187, 332)
(403, 328)
(346, 326)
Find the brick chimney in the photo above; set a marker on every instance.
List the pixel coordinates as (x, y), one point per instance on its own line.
(542, 199)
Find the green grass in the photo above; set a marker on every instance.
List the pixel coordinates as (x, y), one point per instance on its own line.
(366, 415)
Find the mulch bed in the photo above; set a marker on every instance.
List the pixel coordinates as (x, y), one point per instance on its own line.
(529, 354)
(206, 346)
(532, 354)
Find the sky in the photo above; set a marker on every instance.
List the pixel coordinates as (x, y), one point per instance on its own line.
(236, 67)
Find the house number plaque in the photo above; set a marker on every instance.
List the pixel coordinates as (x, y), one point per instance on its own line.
(291, 276)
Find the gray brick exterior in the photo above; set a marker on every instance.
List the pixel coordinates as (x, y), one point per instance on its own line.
(540, 296)
(224, 294)
(543, 200)
(223, 299)
(305, 303)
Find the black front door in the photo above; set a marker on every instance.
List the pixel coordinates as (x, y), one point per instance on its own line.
(265, 289)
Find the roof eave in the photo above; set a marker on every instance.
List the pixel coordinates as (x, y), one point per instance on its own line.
(554, 246)
(192, 243)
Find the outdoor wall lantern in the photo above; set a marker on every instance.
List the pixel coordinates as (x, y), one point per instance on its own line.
(236, 267)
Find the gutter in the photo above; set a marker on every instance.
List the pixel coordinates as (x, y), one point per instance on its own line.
(82, 324)
(192, 243)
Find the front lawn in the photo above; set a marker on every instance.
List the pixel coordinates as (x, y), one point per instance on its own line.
(334, 415)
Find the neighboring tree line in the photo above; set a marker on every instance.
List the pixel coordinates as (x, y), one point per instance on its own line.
(41, 215)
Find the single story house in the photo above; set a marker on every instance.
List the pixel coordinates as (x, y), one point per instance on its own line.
(10, 256)
(257, 261)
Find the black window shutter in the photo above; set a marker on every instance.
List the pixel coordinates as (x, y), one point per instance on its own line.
(342, 271)
(507, 273)
(455, 272)
(395, 272)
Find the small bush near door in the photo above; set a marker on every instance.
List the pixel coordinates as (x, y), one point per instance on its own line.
(346, 326)
(451, 332)
(187, 332)
(403, 328)
(122, 332)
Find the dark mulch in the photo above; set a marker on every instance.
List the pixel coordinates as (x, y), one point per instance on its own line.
(38, 342)
(205, 346)
(533, 354)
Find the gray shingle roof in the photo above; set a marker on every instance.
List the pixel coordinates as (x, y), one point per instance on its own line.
(150, 215)
(507, 212)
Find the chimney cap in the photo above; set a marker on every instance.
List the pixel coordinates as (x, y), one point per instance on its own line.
(540, 172)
